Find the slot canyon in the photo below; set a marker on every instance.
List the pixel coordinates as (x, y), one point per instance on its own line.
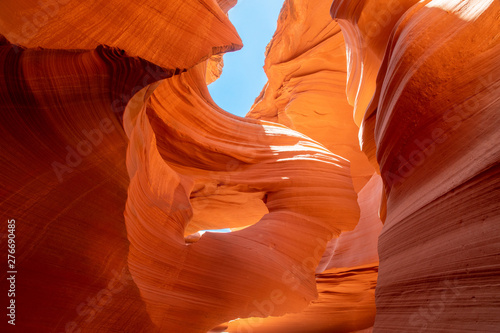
(361, 189)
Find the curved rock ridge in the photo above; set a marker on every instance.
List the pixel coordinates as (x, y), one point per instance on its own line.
(115, 160)
(215, 63)
(366, 27)
(345, 304)
(345, 279)
(192, 167)
(226, 5)
(306, 69)
(154, 30)
(182, 144)
(431, 126)
(232, 160)
(64, 181)
(359, 246)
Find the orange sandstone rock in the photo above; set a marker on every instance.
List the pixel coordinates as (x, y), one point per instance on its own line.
(306, 67)
(346, 279)
(64, 181)
(431, 126)
(115, 157)
(156, 31)
(181, 144)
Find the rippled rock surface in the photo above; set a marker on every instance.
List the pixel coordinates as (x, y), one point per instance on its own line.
(375, 138)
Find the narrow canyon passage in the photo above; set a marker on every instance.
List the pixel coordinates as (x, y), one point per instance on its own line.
(360, 193)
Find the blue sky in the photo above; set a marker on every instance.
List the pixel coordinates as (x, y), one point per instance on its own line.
(243, 77)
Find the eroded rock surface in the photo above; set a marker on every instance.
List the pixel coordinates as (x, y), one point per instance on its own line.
(172, 154)
(114, 157)
(431, 126)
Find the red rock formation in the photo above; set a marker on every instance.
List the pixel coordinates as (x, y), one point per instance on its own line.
(220, 162)
(64, 181)
(334, 311)
(64, 178)
(346, 288)
(153, 30)
(215, 63)
(306, 67)
(114, 157)
(181, 144)
(431, 126)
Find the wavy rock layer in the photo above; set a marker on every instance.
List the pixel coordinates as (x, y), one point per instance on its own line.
(346, 281)
(432, 128)
(64, 175)
(182, 145)
(306, 67)
(65, 183)
(156, 31)
(333, 311)
(184, 154)
(114, 157)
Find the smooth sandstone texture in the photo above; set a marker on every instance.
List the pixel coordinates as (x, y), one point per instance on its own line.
(215, 63)
(344, 304)
(346, 279)
(64, 175)
(359, 246)
(171, 34)
(183, 145)
(288, 234)
(115, 157)
(64, 181)
(432, 127)
(64, 132)
(306, 66)
(366, 26)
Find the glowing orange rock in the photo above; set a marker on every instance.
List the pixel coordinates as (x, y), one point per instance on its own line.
(115, 157)
(156, 31)
(432, 126)
(306, 67)
(345, 281)
(64, 181)
(179, 145)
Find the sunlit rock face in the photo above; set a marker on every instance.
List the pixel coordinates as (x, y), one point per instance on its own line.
(182, 145)
(306, 67)
(114, 157)
(111, 184)
(431, 125)
(345, 279)
(156, 31)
